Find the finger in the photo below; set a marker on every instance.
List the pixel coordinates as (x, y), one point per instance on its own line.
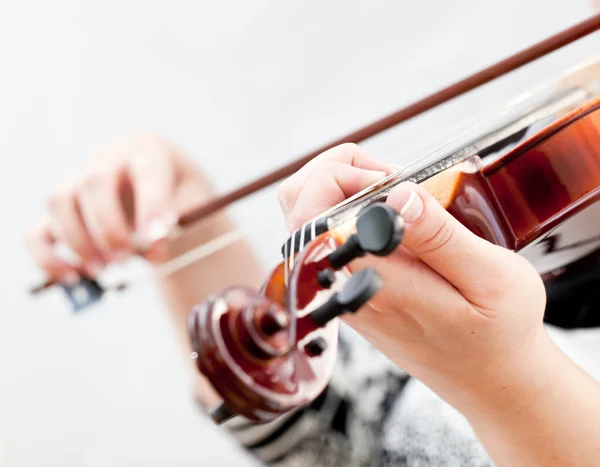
(407, 285)
(69, 228)
(40, 243)
(348, 153)
(334, 182)
(405, 305)
(153, 179)
(473, 265)
(104, 213)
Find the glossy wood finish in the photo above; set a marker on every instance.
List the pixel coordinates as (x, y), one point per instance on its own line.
(549, 177)
(251, 346)
(532, 190)
(536, 189)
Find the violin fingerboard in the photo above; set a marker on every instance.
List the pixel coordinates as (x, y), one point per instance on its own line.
(303, 236)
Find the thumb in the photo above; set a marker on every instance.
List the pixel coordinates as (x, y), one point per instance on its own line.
(473, 265)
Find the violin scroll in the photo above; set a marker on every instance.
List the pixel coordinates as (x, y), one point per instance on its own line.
(272, 351)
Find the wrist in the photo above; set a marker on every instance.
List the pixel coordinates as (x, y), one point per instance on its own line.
(514, 384)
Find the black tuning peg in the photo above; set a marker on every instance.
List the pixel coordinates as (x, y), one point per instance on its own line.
(379, 231)
(326, 278)
(221, 413)
(359, 289)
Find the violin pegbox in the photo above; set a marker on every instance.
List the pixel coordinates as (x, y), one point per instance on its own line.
(272, 351)
(241, 339)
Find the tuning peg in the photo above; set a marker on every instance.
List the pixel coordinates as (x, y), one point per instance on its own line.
(359, 289)
(379, 231)
(326, 277)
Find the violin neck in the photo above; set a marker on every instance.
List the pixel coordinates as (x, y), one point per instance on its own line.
(489, 139)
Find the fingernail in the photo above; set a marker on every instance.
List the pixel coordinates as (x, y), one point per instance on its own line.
(152, 232)
(156, 230)
(412, 208)
(70, 278)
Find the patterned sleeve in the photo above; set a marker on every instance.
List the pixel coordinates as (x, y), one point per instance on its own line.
(371, 414)
(342, 427)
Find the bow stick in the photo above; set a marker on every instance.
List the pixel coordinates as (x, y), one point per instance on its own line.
(505, 66)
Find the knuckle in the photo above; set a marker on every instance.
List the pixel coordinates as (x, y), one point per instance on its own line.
(349, 148)
(283, 189)
(330, 173)
(346, 152)
(352, 152)
(284, 192)
(440, 237)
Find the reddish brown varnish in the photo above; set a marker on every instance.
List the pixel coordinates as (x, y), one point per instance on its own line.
(511, 202)
(534, 188)
(259, 375)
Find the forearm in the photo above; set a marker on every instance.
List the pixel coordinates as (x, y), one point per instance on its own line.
(236, 264)
(548, 416)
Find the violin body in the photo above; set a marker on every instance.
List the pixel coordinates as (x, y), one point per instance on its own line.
(538, 199)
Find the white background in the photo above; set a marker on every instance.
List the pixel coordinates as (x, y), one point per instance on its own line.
(243, 86)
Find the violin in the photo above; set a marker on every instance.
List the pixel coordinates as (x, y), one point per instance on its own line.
(527, 179)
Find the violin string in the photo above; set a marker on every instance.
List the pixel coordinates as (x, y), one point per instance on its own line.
(285, 266)
(193, 255)
(291, 257)
(214, 245)
(207, 248)
(438, 98)
(449, 136)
